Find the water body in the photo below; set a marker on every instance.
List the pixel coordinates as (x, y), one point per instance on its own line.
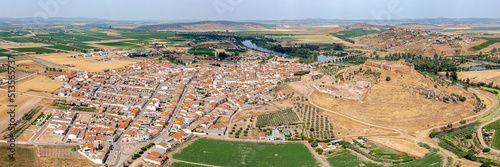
(477, 68)
(252, 45)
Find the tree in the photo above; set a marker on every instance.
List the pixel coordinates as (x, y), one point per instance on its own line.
(312, 129)
(469, 136)
(486, 150)
(432, 135)
(314, 144)
(388, 78)
(319, 150)
(310, 140)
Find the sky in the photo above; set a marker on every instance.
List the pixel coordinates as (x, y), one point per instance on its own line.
(165, 10)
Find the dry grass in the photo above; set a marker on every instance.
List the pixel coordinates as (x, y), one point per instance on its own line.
(388, 104)
(486, 76)
(25, 156)
(402, 145)
(4, 101)
(63, 161)
(11, 45)
(83, 63)
(48, 137)
(40, 83)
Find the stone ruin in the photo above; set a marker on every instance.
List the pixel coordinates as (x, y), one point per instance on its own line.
(392, 66)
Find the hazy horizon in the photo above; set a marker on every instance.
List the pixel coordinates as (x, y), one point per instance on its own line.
(235, 10)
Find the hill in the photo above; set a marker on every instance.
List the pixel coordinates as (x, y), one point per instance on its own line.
(419, 41)
(202, 25)
(362, 26)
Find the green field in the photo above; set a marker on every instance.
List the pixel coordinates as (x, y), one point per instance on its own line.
(234, 50)
(155, 35)
(201, 51)
(354, 33)
(386, 153)
(182, 164)
(432, 160)
(349, 160)
(122, 45)
(494, 125)
(494, 113)
(229, 153)
(489, 42)
(5, 54)
(36, 50)
(3, 70)
(64, 47)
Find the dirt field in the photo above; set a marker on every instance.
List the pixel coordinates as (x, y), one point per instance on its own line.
(84, 117)
(486, 76)
(388, 104)
(9, 45)
(83, 63)
(25, 136)
(40, 83)
(62, 156)
(73, 161)
(4, 101)
(403, 145)
(48, 137)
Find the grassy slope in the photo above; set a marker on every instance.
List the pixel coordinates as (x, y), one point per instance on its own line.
(494, 125)
(434, 160)
(483, 45)
(494, 113)
(354, 33)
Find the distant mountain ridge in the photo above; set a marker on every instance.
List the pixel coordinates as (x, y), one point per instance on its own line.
(202, 25)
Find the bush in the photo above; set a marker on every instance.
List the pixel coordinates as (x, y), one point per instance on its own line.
(432, 135)
(388, 78)
(314, 144)
(486, 150)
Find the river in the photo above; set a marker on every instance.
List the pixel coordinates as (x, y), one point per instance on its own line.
(252, 45)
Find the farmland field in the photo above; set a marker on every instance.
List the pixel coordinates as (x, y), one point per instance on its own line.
(354, 33)
(122, 45)
(319, 124)
(41, 83)
(489, 41)
(182, 164)
(201, 51)
(433, 160)
(5, 54)
(234, 50)
(36, 50)
(386, 153)
(63, 47)
(283, 117)
(229, 153)
(25, 156)
(83, 63)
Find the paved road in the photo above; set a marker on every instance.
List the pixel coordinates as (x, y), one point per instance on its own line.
(121, 158)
